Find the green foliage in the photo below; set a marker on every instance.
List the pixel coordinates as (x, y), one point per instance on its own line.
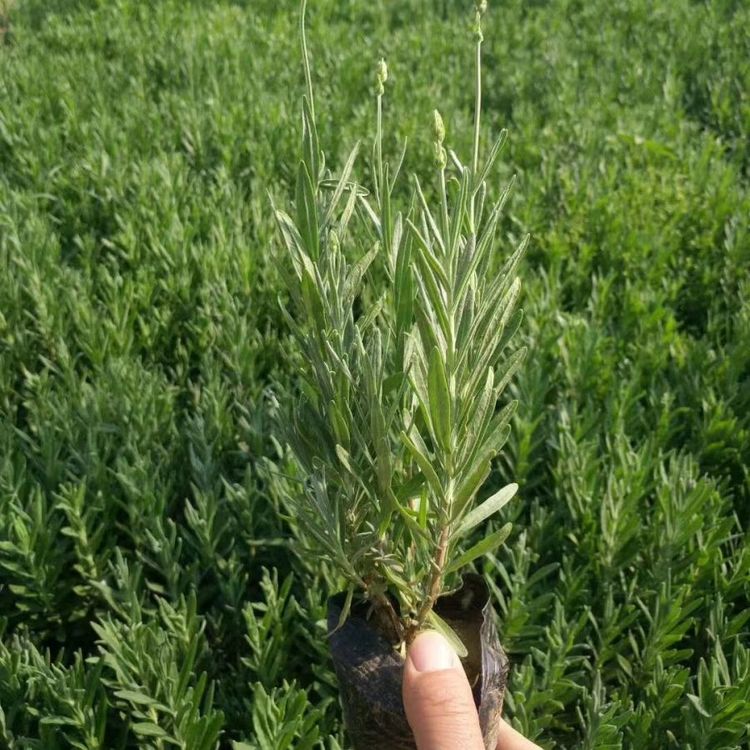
(285, 719)
(140, 272)
(397, 427)
(152, 671)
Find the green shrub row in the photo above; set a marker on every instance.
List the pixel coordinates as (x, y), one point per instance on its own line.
(150, 592)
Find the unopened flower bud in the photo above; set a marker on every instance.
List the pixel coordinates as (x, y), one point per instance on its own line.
(441, 157)
(333, 240)
(480, 8)
(381, 76)
(477, 27)
(439, 127)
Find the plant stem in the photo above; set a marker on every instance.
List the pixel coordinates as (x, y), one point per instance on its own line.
(450, 264)
(387, 606)
(306, 59)
(435, 585)
(444, 200)
(477, 120)
(382, 602)
(477, 105)
(379, 149)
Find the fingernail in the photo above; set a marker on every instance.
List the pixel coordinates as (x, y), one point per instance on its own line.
(430, 652)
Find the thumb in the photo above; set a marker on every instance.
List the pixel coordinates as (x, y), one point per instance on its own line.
(437, 697)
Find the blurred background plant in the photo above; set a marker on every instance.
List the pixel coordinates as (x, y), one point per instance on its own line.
(140, 329)
(6, 8)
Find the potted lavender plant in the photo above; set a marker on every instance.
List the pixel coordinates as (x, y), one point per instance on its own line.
(401, 411)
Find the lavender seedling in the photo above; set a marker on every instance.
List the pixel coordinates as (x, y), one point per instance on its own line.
(398, 422)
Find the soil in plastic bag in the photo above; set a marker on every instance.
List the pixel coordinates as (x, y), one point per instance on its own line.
(369, 668)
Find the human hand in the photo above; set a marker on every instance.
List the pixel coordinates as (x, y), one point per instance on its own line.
(439, 704)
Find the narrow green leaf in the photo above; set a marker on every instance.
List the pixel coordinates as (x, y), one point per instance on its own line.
(470, 486)
(493, 337)
(478, 413)
(429, 328)
(411, 488)
(369, 318)
(698, 705)
(383, 461)
(498, 423)
(148, 729)
(440, 400)
(465, 318)
(345, 609)
(289, 233)
(480, 196)
(491, 308)
(424, 506)
(509, 369)
(56, 721)
(428, 217)
(432, 292)
(424, 464)
(138, 698)
(489, 543)
(311, 144)
(477, 465)
(353, 282)
(371, 215)
(464, 265)
(348, 211)
(345, 458)
(307, 212)
(503, 279)
(509, 301)
(498, 435)
(483, 244)
(460, 209)
(477, 431)
(428, 254)
(342, 185)
(485, 237)
(399, 164)
(398, 581)
(441, 626)
(409, 518)
(488, 508)
(491, 157)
